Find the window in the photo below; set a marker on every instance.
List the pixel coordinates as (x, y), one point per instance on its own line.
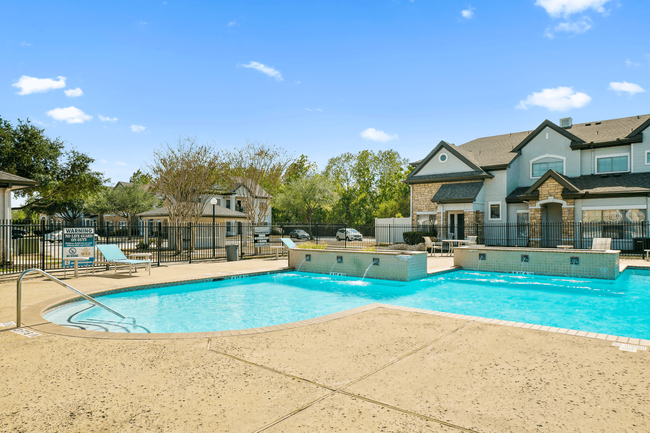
(647, 157)
(612, 164)
(443, 158)
(522, 224)
(539, 168)
(428, 220)
(613, 223)
(495, 211)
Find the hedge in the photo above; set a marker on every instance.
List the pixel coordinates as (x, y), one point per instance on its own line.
(414, 238)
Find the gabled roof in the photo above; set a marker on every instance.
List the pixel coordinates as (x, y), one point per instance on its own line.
(8, 180)
(464, 192)
(548, 124)
(494, 152)
(467, 159)
(591, 186)
(555, 176)
(125, 184)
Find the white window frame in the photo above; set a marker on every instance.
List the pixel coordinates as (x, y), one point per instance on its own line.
(647, 161)
(490, 211)
(614, 155)
(563, 158)
(440, 156)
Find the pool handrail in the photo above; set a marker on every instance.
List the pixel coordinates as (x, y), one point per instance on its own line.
(56, 280)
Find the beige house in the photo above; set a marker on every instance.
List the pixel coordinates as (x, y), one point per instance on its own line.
(592, 172)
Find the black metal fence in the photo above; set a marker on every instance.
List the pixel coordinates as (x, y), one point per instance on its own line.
(26, 244)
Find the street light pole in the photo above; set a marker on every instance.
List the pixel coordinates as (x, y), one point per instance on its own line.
(213, 202)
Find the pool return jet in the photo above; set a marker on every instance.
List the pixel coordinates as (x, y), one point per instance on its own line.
(19, 290)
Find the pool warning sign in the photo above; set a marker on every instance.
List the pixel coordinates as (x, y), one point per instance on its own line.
(78, 242)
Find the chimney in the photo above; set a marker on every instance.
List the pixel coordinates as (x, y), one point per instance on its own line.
(566, 123)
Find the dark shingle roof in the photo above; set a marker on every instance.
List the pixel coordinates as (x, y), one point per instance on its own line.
(220, 212)
(497, 149)
(458, 192)
(448, 176)
(611, 184)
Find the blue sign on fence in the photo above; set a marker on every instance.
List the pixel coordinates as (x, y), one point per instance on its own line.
(78, 242)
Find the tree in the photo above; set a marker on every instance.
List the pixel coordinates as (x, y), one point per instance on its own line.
(69, 211)
(140, 178)
(182, 175)
(370, 185)
(305, 196)
(261, 170)
(63, 176)
(300, 168)
(125, 201)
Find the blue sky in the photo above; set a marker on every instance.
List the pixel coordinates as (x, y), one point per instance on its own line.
(319, 78)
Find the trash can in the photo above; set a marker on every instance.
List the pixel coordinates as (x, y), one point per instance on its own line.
(232, 253)
(641, 244)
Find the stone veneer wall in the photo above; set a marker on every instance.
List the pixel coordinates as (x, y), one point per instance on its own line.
(355, 263)
(592, 264)
(422, 193)
(551, 189)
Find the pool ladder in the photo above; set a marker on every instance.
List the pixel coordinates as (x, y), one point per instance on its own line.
(56, 280)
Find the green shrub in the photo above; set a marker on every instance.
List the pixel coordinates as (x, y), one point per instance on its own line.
(414, 238)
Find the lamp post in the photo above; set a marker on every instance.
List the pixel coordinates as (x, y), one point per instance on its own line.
(213, 202)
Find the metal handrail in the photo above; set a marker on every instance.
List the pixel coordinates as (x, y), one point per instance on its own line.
(83, 295)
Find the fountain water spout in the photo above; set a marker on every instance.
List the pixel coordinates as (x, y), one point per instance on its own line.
(368, 268)
(303, 261)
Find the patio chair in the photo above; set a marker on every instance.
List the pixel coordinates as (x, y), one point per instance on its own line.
(601, 244)
(114, 256)
(471, 240)
(428, 243)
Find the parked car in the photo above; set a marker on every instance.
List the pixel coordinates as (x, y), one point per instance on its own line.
(349, 235)
(299, 234)
(39, 232)
(57, 236)
(17, 233)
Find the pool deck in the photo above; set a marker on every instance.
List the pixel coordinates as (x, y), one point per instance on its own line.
(377, 369)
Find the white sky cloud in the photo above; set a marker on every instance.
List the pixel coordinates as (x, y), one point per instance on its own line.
(375, 135)
(29, 85)
(137, 128)
(557, 8)
(73, 93)
(468, 13)
(629, 88)
(629, 63)
(314, 109)
(69, 115)
(121, 163)
(265, 70)
(107, 119)
(577, 27)
(232, 23)
(557, 99)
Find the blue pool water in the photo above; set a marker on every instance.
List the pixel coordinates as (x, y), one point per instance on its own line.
(619, 307)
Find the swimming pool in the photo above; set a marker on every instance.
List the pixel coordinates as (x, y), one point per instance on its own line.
(617, 307)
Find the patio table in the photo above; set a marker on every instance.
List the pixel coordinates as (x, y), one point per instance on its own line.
(452, 244)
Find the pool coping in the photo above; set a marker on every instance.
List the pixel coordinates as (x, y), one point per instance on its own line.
(33, 317)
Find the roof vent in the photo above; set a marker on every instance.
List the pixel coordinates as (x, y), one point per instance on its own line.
(567, 122)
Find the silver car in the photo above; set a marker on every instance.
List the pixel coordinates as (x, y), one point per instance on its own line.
(349, 235)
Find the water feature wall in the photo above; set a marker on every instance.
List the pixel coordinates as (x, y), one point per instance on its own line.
(389, 265)
(542, 261)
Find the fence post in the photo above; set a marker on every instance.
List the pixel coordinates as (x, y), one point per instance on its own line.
(43, 244)
(159, 240)
(189, 247)
(345, 234)
(241, 240)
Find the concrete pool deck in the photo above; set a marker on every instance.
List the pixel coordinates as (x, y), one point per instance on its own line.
(381, 369)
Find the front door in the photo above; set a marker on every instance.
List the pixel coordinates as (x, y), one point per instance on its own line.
(456, 226)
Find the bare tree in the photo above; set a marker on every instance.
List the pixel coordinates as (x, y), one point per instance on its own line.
(182, 174)
(261, 170)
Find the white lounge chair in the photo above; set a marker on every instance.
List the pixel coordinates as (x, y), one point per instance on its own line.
(601, 244)
(471, 240)
(114, 256)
